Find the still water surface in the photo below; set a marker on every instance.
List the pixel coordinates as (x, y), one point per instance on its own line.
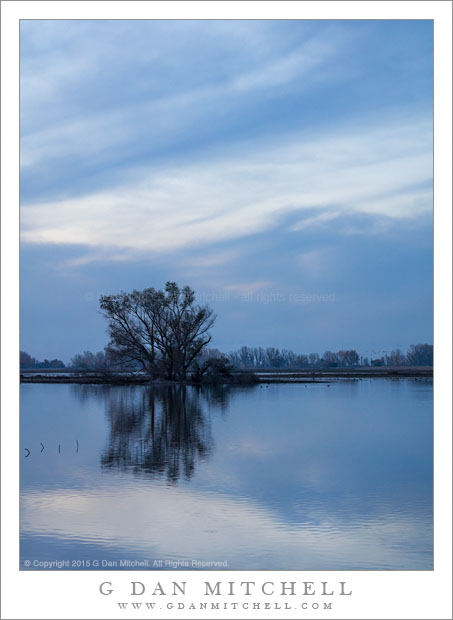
(288, 476)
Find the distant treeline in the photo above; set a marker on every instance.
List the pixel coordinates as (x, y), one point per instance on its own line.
(29, 362)
(259, 358)
(252, 358)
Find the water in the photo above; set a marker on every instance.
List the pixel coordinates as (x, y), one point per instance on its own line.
(294, 477)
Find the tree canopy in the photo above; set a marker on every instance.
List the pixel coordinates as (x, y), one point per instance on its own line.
(164, 331)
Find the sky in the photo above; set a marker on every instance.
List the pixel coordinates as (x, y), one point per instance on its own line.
(282, 169)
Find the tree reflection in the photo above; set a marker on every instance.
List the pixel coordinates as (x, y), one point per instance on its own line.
(160, 432)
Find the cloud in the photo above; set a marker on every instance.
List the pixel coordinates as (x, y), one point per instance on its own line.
(314, 261)
(248, 288)
(83, 97)
(384, 171)
(297, 64)
(214, 259)
(100, 99)
(215, 153)
(307, 222)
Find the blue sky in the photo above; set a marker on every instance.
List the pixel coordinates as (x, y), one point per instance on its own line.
(283, 169)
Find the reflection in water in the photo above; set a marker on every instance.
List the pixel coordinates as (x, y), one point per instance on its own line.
(248, 533)
(320, 477)
(161, 432)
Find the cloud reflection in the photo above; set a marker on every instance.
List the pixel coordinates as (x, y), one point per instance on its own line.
(173, 522)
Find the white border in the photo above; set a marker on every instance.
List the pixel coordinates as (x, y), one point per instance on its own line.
(375, 594)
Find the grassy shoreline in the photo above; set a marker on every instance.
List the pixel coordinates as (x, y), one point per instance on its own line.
(240, 377)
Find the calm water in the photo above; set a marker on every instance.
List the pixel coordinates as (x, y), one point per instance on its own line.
(279, 477)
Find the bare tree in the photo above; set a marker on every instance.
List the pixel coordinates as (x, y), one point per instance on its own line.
(88, 361)
(164, 331)
(395, 358)
(100, 363)
(420, 355)
(348, 358)
(210, 366)
(313, 358)
(28, 362)
(274, 357)
(329, 359)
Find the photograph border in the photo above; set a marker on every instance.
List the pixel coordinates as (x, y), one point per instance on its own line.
(442, 305)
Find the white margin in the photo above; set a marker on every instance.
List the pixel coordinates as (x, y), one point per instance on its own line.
(376, 594)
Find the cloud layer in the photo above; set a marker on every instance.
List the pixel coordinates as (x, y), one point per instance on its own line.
(240, 157)
(384, 171)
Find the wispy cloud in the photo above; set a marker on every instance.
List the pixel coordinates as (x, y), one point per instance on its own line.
(314, 220)
(385, 171)
(174, 107)
(249, 287)
(214, 258)
(315, 262)
(291, 155)
(295, 65)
